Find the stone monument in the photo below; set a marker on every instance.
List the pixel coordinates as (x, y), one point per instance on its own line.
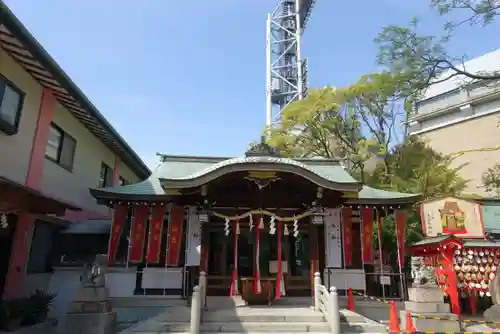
(425, 298)
(90, 311)
(493, 313)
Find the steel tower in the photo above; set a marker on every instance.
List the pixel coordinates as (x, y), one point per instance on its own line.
(286, 77)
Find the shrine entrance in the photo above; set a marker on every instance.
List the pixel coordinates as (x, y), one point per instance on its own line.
(296, 258)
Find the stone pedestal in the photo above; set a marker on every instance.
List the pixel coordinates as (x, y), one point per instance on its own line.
(428, 301)
(87, 323)
(493, 314)
(89, 313)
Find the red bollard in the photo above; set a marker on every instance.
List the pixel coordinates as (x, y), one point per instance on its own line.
(350, 300)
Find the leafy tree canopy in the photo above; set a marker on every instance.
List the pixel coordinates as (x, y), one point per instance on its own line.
(424, 59)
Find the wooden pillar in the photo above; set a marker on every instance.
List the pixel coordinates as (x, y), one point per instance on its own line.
(313, 253)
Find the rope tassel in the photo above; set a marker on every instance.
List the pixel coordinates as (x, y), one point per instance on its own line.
(257, 287)
(261, 223)
(272, 225)
(234, 283)
(295, 228)
(226, 227)
(285, 230)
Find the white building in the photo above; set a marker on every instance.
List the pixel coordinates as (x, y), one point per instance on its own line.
(54, 146)
(460, 115)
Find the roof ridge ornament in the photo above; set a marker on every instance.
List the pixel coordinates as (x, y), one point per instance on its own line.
(262, 150)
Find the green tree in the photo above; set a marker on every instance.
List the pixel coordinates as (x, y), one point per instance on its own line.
(424, 59)
(360, 123)
(491, 179)
(415, 168)
(354, 123)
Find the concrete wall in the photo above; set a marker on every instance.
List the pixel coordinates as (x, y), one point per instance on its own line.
(120, 281)
(482, 132)
(65, 281)
(469, 126)
(15, 151)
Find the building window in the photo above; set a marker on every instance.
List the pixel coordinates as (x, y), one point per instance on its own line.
(123, 182)
(106, 177)
(60, 147)
(11, 104)
(42, 247)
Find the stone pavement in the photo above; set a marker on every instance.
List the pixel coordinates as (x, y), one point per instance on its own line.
(231, 315)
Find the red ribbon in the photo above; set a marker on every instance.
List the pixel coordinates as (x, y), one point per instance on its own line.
(256, 285)
(235, 261)
(138, 233)
(119, 217)
(278, 277)
(379, 232)
(347, 224)
(400, 235)
(367, 222)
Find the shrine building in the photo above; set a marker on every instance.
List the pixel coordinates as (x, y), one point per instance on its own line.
(462, 240)
(260, 217)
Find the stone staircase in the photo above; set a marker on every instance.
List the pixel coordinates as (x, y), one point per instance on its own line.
(243, 319)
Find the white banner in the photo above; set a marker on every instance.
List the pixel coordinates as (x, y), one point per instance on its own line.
(333, 238)
(193, 239)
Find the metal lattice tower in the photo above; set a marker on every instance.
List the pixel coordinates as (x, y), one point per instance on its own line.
(286, 77)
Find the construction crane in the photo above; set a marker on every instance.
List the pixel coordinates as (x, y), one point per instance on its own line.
(286, 70)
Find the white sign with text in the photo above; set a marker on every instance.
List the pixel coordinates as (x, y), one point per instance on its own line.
(333, 238)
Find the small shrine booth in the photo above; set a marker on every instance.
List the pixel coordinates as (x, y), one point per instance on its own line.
(247, 221)
(465, 269)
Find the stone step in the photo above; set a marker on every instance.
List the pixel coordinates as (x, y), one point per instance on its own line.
(210, 317)
(245, 327)
(362, 328)
(146, 301)
(256, 327)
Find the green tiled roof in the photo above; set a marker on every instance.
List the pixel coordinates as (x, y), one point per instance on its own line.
(372, 193)
(432, 240)
(148, 187)
(179, 168)
(190, 168)
(481, 243)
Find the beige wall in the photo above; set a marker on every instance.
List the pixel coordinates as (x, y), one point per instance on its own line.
(90, 151)
(15, 150)
(481, 132)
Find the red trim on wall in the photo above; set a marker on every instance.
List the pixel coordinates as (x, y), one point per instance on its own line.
(37, 158)
(21, 244)
(116, 171)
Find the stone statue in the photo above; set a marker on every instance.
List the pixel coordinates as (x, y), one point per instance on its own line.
(90, 311)
(493, 313)
(95, 273)
(425, 298)
(494, 287)
(420, 273)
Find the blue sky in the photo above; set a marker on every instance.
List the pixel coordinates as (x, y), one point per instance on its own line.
(189, 77)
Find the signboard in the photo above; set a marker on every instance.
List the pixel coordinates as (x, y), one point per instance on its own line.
(491, 217)
(449, 215)
(333, 238)
(193, 239)
(385, 280)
